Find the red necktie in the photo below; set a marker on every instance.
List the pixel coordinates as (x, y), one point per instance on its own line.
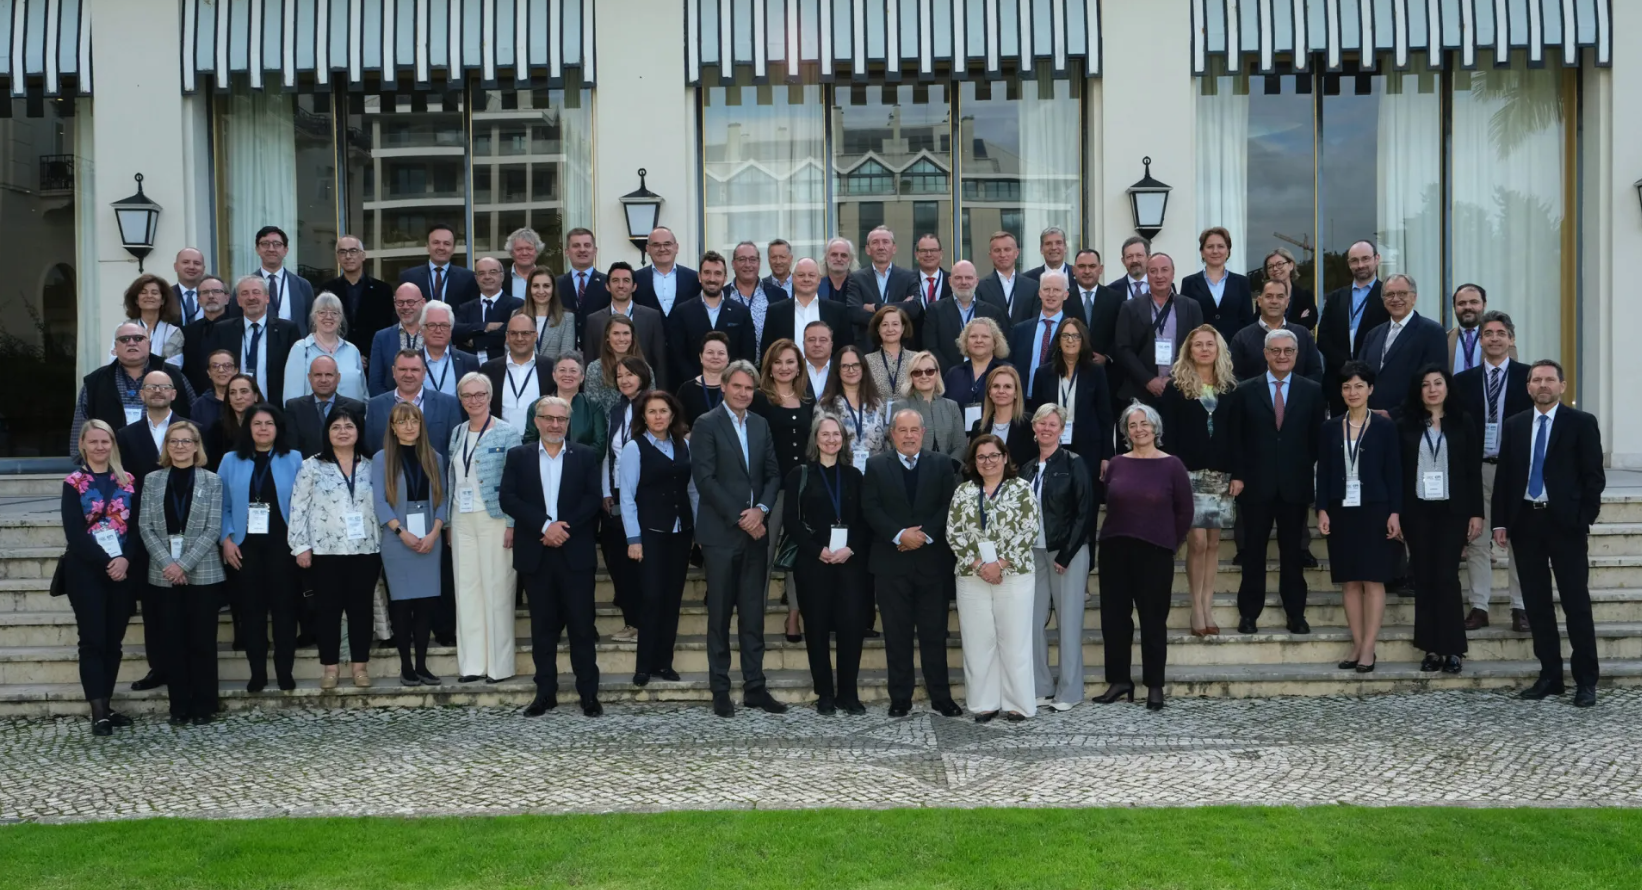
(930, 300)
(1277, 403)
(1048, 337)
(581, 286)
(438, 283)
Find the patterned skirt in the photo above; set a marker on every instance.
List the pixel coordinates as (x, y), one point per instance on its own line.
(1212, 503)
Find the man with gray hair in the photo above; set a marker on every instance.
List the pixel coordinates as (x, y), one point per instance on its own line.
(1032, 342)
(1052, 245)
(945, 322)
(523, 247)
(880, 283)
(367, 303)
(260, 342)
(480, 323)
(445, 364)
(838, 262)
(1397, 349)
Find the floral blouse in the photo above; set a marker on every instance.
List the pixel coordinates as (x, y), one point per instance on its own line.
(1012, 521)
(874, 424)
(99, 514)
(320, 502)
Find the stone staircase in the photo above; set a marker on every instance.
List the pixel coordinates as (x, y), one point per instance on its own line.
(38, 662)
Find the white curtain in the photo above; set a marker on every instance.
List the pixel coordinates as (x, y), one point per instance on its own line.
(1409, 217)
(1223, 166)
(1507, 193)
(764, 168)
(1050, 162)
(576, 174)
(260, 152)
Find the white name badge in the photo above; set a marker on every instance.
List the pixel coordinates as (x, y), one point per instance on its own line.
(860, 456)
(972, 416)
(840, 538)
(416, 522)
(1163, 351)
(1354, 494)
(256, 521)
(355, 523)
(1433, 486)
(109, 541)
(465, 500)
(132, 415)
(989, 552)
(176, 547)
(482, 358)
(1066, 434)
(1490, 438)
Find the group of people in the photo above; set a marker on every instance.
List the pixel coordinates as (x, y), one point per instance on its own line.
(893, 439)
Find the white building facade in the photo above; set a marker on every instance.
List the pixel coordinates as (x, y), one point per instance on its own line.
(1487, 141)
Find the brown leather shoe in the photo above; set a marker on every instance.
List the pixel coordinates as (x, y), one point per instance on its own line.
(1519, 621)
(1476, 620)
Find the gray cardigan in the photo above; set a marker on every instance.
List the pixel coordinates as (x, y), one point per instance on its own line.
(943, 424)
(201, 560)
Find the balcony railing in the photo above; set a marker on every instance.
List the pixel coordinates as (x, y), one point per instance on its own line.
(56, 173)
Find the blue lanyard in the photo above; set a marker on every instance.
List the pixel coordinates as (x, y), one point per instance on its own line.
(467, 453)
(836, 496)
(258, 474)
(962, 316)
(895, 377)
(179, 506)
(1433, 444)
(707, 393)
(1160, 318)
(349, 477)
(981, 497)
(1353, 446)
(1357, 310)
(439, 385)
(859, 416)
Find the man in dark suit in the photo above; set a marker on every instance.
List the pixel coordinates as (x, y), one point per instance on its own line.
(788, 318)
(189, 267)
(881, 282)
(439, 278)
(1032, 342)
(307, 414)
(648, 324)
(582, 287)
(1248, 347)
(406, 333)
(1492, 391)
(289, 296)
(1101, 305)
(1136, 250)
(139, 445)
(1547, 495)
(367, 303)
(261, 341)
(904, 498)
(664, 284)
(1273, 437)
(519, 376)
(1015, 294)
(945, 323)
(934, 284)
(754, 294)
(1052, 246)
(441, 413)
(1401, 346)
(692, 319)
(551, 491)
(1349, 313)
(212, 295)
(733, 464)
(837, 283)
(446, 364)
(778, 253)
(479, 323)
(1152, 331)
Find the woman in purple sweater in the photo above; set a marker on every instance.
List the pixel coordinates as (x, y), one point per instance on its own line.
(1148, 514)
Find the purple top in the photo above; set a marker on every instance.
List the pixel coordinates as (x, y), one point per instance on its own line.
(1149, 499)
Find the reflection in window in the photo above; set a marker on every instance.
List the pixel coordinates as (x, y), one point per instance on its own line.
(277, 163)
(763, 156)
(871, 178)
(418, 158)
(1022, 162)
(893, 156)
(546, 137)
(924, 178)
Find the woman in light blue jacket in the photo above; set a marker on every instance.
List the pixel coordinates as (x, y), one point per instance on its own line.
(481, 537)
(329, 329)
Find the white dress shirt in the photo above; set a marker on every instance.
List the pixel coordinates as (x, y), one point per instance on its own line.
(1008, 282)
(441, 274)
(255, 365)
(282, 281)
(802, 316)
(552, 469)
(1533, 433)
(666, 287)
(818, 378)
(158, 432)
(519, 389)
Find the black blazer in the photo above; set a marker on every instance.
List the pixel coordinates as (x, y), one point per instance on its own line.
(138, 454)
(1574, 478)
(1334, 335)
(945, 324)
(690, 324)
(1236, 309)
(1472, 388)
(809, 519)
(595, 296)
(644, 288)
(1302, 309)
(1023, 303)
(579, 501)
(1248, 352)
(1275, 464)
(1091, 402)
(1068, 502)
(1100, 314)
(460, 285)
(1380, 466)
(278, 337)
(468, 330)
(1422, 342)
(1022, 336)
(196, 335)
(778, 323)
(1464, 434)
(1186, 430)
(1135, 338)
(901, 284)
(372, 313)
(887, 511)
(1023, 446)
(496, 371)
(307, 428)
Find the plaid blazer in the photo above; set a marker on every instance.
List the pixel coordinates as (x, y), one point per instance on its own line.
(201, 559)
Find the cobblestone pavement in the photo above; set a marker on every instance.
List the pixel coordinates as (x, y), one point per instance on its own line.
(1429, 748)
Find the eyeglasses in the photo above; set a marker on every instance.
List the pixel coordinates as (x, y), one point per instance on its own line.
(655, 244)
(270, 242)
(349, 251)
(852, 366)
(406, 304)
(1399, 294)
(553, 420)
(1071, 335)
(131, 338)
(437, 326)
(988, 458)
(481, 394)
(924, 372)
(206, 291)
(158, 387)
(183, 442)
(222, 366)
(327, 313)
(1284, 351)
(929, 250)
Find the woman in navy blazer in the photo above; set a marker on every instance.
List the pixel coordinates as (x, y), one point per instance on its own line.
(1078, 384)
(261, 471)
(1235, 310)
(1359, 499)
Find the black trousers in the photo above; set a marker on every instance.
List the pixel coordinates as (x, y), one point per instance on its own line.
(832, 599)
(1259, 514)
(345, 585)
(908, 603)
(443, 609)
(267, 582)
(563, 599)
(627, 578)
(736, 582)
(102, 609)
(1135, 575)
(661, 578)
(153, 600)
(1436, 546)
(190, 616)
(412, 623)
(1540, 547)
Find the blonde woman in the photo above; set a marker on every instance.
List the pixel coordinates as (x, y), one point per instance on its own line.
(983, 347)
(924, 392)
(1004, 414)
(1194, 411)
(481, 539)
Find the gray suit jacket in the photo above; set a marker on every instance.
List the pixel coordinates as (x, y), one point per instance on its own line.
(726, 483)
(1135, 338)
(201, 560)
(652, 339)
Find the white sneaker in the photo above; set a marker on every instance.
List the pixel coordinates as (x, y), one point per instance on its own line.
(1045, 701)
(626, 635)
(1062, 706)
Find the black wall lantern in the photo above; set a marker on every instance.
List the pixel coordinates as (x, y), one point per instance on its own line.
(139, 220)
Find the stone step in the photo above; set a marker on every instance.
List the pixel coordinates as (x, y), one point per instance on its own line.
(35, 700)
(1273, 645)
(55, 627)
(28, 485)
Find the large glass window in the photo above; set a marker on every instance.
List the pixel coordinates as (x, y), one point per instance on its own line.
(892, 159)
(1020, 159)
(764, 157)
(279, 169)
(407, 171)
(532, 153)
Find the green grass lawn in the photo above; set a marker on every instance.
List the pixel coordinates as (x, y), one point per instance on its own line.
(1431, 849)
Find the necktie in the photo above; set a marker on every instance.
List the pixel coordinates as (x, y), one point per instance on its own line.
(930, 299)
(1277, 403)
(581, 286)
(1496, 381)
(484, 312)
(273, 293)
(1088, 307)
(1134, 288)
(438, 283)
(1390, 338)
(324, 408)
(251, 351)
(1048, 337)
(1536, 470)
(1469, 338)
(190, 306)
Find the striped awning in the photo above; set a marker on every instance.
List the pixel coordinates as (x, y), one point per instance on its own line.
(922, 39)
(1251, 34)
(45, 47)
(280, 42)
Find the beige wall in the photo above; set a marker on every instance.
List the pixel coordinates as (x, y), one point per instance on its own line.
(1609, 361)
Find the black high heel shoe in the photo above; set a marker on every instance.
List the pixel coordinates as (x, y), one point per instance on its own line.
(1115, 692)
(1154, 698)
(1450, 665)
(1366, 668)
(1431, 664)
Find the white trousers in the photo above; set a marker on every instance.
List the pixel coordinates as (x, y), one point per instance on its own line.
(484, 596)
(1479, 554)
(995, 621)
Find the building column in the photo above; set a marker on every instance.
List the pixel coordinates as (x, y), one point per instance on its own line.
(1611, 314)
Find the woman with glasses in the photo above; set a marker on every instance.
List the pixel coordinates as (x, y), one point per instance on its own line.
(257, 479)
(924, 392)
(1194, 408)
(633, 382)
(181, 524)
(408, 491)
(991, 525)
(783, 401)
(1302, 311)
(706, 391)
(151, 303)
(207, 408)
(481, 537)
(329, 330)
(555, 325)
(242, 392)
(620, 341)
(888, 330)
(1079, 386)
(852, 395)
